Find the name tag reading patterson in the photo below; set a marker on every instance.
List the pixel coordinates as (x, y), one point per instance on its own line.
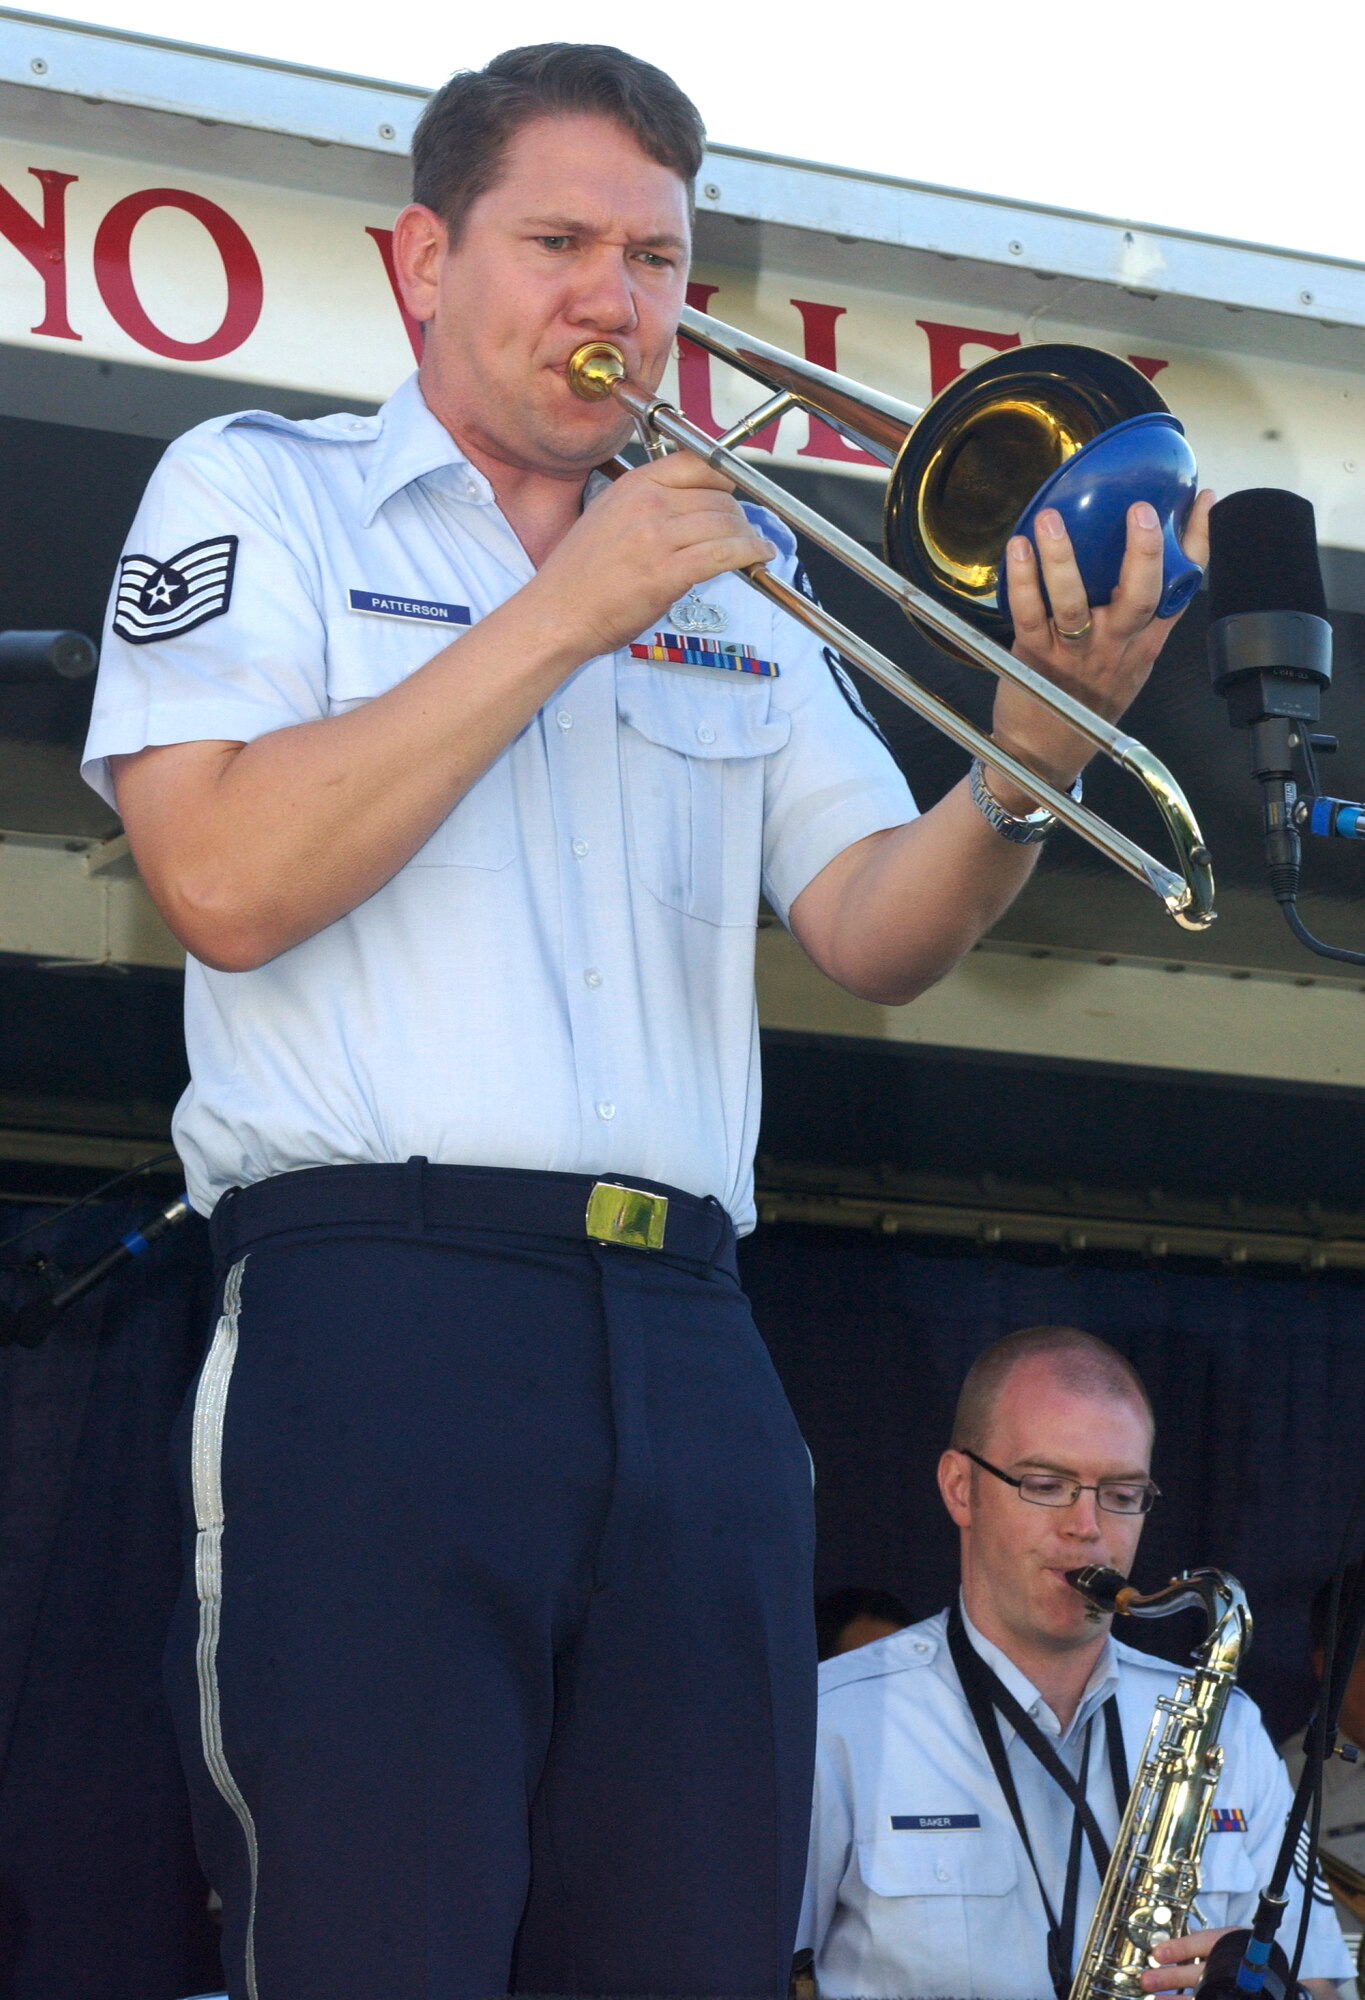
(422, 610)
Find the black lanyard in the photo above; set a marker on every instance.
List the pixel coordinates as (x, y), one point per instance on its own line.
(986, 1693)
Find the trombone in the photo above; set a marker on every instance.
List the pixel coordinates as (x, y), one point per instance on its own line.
(1043, 401)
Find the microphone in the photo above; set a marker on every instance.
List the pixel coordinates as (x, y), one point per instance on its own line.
(1270, 645)
(31, 1323)
(1270, 657)
(35, 656)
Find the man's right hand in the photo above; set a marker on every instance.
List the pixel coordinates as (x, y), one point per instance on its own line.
(662, 529)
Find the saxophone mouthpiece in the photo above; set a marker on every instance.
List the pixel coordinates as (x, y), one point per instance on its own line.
(1103, 1589)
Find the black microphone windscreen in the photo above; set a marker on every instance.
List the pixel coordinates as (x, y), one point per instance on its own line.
(1263, 554)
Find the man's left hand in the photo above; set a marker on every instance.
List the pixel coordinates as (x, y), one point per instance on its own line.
(1111, 652)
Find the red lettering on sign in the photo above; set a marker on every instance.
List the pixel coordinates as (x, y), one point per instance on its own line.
(1148, 365)
(817, 322)
(383, 239)
(694, 368)
(114, 275)
(945, 349)
(44, 245)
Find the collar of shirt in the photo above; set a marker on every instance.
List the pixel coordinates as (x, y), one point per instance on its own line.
(411, 444)
(1103, 1682)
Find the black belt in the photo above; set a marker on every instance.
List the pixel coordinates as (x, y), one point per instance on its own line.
(631, 1214)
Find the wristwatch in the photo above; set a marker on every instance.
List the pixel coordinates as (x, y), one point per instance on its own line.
(1023, 832)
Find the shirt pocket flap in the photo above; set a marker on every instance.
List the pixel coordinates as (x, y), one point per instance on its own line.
(368, 656)
(701, 711)
(972, 1862)
(1225, 1867)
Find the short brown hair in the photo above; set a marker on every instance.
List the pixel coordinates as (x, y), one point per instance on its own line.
(463, 134)
(1086, 1365)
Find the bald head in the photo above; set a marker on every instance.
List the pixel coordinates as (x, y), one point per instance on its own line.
(1076, 1361)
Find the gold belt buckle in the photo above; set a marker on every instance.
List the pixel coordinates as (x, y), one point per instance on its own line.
(626, 1215)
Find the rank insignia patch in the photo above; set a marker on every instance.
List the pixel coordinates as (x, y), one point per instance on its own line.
(160, 600)
(689, 649)
(1308, 1872)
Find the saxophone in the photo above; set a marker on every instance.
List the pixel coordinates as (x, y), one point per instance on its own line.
(1150, 1885)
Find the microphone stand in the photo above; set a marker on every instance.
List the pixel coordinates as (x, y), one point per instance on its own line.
(1245, 1963)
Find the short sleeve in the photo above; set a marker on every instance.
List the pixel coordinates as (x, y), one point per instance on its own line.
(835, 780)
(214, 630)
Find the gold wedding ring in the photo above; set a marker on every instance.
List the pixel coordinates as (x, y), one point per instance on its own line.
(1080, 632)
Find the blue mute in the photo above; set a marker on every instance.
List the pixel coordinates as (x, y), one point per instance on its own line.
(1145, 458)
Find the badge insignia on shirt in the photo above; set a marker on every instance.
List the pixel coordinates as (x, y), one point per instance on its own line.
(160, 600)
(423, 610)
(694, 614)
(686, 649)
(1227, 1819)
(932, 1822)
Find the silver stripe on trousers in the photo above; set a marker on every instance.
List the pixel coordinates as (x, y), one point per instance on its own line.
(206, 1463)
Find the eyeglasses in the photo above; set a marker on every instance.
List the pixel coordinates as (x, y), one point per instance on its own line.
(1054, 1489)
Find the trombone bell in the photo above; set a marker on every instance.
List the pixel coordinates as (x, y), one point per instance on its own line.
(972, 465)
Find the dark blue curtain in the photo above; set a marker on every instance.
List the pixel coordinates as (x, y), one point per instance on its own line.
(100, 1894)
(1259, 1385)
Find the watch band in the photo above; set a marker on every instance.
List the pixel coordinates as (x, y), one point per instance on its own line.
(1023, 832)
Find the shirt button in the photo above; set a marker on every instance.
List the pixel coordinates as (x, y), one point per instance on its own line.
(580, 848)
(592, 977)
(942, 1873)
(564, 719)
(706, 734)
(606, 1110)
(921, 1645)
(357, 424)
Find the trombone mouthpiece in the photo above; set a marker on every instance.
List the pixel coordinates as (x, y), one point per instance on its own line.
(1103, 1589)
(595, 369)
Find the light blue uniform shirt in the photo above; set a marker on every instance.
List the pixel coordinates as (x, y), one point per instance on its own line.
(562, 977)
(918, 1884)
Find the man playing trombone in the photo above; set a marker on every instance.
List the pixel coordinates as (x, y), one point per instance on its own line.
(494, 1669)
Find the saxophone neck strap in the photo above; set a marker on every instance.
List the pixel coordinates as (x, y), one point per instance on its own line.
(987, 1697)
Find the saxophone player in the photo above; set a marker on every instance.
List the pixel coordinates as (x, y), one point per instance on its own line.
(972, 1769)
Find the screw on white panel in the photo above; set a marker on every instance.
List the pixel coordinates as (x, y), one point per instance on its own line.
(1016, 248)
(39, 65)
(1305, 298)
(388, 132)
(712, 191)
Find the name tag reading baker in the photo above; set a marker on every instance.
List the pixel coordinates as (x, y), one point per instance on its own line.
(420, 610)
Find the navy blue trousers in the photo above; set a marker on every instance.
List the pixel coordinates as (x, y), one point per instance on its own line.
(493, 1669)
